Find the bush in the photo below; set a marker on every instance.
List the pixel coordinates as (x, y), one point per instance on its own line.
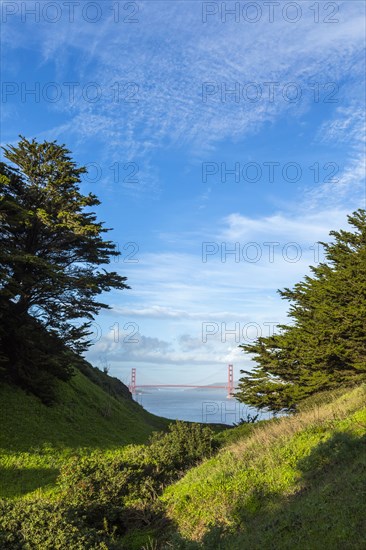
(104, 497)
(109, 480)
(95, 478)
(99, 486)
(123, 489)
(41, 525)
(183, 446)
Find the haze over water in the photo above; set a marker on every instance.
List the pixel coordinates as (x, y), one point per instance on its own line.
(204, 405)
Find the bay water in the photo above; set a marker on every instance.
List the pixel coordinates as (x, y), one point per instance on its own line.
(210, 406)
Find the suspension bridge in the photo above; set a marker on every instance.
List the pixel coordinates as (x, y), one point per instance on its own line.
(229, 386)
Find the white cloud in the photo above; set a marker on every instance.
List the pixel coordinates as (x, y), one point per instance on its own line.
(205, 310)
(348, 127)
(299, 228)
(170, 53)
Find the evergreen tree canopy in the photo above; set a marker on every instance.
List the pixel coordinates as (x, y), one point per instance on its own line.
(51, 251)
(325, 345)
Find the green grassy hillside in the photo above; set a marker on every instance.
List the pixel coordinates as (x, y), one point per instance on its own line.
(36, 439)
(297, 482)
(292, 482)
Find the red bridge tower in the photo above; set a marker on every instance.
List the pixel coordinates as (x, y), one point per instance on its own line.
(230, 381)
(132, 384)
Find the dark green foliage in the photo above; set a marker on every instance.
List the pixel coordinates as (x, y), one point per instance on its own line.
(51, 256)
(105, 496)
(41, 525)
(108, 383)
(123, 489)
(325, 346)
(140, 470)
(100, 486)
(34, 358)
(182, 446)
(250, 419)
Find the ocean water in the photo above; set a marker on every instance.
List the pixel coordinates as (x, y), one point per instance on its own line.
(205, 405)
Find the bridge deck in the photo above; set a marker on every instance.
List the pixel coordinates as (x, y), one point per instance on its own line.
(175, 386)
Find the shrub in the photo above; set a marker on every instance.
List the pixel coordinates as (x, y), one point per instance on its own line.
(123, 489)
(108, 480)
(41, 525)
(95, 478)
(99, 485)
(183, 446)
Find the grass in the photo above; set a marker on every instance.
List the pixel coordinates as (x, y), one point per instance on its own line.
(294, 482)
(35, 439)
(291, 482)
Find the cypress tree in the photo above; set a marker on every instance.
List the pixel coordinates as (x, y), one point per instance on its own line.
(52, 259)
(325, 345)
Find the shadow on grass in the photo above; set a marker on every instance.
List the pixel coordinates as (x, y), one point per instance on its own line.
(328, 511)
(16, 482)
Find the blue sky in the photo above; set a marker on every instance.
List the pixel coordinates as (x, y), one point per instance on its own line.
(204, 133)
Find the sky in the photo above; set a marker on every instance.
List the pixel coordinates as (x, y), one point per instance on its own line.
(224, 140)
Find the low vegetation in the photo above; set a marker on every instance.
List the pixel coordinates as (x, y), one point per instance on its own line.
(105, 498)
(295, 482)
(287, 482)
(36, 439)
